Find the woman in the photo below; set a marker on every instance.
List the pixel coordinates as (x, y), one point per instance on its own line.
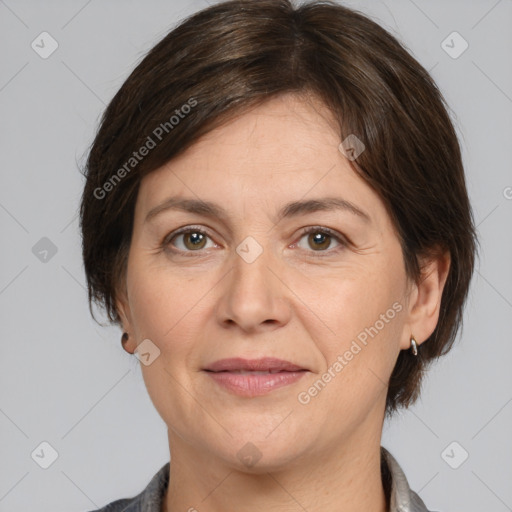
(275, 213)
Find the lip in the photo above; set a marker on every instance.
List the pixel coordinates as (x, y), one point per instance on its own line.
(238, 375)
(262, 364)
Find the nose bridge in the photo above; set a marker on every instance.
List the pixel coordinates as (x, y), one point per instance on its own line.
(253, 296)
(251, 260)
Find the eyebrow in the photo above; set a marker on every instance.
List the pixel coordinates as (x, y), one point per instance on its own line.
(292, 209)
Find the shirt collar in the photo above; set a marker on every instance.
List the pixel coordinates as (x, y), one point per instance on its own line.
(402, 498)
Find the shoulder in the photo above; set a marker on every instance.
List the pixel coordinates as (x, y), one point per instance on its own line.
(149, 500)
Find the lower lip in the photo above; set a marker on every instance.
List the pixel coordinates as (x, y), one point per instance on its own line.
(255, 385)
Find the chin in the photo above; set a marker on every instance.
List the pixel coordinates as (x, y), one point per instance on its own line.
(257, 454)
(253, 460)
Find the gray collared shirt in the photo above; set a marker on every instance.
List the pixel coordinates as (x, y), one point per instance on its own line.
(402, 498)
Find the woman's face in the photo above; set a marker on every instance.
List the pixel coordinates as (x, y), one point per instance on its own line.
(250, 284)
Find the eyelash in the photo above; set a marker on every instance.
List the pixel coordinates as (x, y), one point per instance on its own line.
(306, 231)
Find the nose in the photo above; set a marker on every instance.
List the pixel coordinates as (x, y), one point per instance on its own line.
(254, 297)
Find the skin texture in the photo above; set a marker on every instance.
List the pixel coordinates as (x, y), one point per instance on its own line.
(295, 301)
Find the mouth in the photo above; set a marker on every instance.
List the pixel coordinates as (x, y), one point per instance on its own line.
(256, 377)
(261, 365)
(254, 372)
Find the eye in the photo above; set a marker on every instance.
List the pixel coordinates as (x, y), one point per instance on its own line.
(320, 239)
(192, 238)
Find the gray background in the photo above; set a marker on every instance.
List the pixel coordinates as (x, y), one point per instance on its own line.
(65, 380)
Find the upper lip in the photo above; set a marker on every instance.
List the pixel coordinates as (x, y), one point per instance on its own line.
(262, 364)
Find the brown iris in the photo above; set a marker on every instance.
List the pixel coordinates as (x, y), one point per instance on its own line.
(320, 240)
(197, 240)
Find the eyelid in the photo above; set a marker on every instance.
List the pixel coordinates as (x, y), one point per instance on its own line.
(185, 229)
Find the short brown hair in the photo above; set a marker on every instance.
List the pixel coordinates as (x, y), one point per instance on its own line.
(237, 54)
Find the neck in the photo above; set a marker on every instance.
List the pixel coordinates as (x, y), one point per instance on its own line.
(349, 480)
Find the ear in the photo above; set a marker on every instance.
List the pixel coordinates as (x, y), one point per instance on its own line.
(123, 309)
(425, 298)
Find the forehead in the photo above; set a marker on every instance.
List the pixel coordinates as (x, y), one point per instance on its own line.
(278, 152)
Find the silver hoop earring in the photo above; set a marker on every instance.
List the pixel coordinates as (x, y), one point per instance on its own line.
(414, 346)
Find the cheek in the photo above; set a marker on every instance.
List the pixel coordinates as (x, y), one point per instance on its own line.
(359, 357)
(364, 313)
(355, 300)
(163, 310)
(160, 301)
